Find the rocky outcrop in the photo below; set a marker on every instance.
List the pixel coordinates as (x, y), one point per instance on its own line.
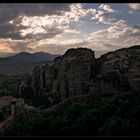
(109, 83)
(78, 72)
(126, 61)
(75, 70)
(67, 76)
(36, 80)
(25, 88)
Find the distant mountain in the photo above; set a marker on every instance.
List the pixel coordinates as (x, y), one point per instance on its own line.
(24, 62)
(3, 55)
(28, 57)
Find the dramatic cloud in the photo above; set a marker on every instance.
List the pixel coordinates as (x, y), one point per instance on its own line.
(102, 16)
(48, 20)
(98, 46)
(58, 27)
(32, 25)
(12, 16)
(135, 6)
(109, 37)
(30, 9)
(8, 30)
(133, 31)
(106, 7)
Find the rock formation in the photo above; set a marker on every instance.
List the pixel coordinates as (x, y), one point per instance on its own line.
(78, 72)
(67, 76)
(126, 61)
(109, 83)
(25, 89)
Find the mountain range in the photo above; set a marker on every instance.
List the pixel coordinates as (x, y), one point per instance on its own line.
(28, 57)
(23, 62)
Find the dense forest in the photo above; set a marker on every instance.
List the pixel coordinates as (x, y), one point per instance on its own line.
(117, 116)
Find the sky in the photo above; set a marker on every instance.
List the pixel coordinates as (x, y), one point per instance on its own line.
(56, 27)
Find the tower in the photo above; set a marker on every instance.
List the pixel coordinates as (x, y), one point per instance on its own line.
(13, 105)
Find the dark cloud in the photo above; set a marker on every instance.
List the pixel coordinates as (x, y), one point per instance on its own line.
(16, 11)
(6, 13)
(9, 31)
(11, 11)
